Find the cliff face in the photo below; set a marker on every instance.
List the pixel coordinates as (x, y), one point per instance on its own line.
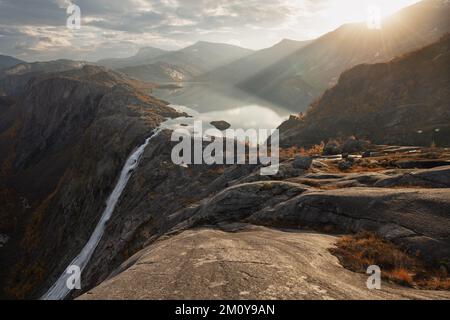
(404, 101)
(64, 137)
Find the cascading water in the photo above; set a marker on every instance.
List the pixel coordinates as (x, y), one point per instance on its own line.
(59, 289)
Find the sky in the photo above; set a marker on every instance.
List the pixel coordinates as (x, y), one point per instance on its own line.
(37, 30)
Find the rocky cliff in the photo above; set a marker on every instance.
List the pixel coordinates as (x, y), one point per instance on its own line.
(64, 137)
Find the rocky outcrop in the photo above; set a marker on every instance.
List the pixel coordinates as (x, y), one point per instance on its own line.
(303, 163)
(243, 262)
(418, 219)
(433, 178)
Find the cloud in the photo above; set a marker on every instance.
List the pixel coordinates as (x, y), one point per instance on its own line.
(34, 29)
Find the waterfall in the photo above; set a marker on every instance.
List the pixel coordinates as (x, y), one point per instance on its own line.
(59, 289)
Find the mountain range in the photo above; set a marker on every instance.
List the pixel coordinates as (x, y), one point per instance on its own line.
(403, 101)
(154, 65)
(7, 61)
(143, 56)
(318, 66)
(293, 73)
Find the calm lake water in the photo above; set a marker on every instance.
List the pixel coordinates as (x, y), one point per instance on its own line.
(235, 106)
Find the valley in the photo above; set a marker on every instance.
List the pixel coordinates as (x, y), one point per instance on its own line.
(88, 177)
(293, 74)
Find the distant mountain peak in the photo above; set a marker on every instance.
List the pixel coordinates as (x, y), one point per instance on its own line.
(202, 43)
(148, 50)
(405, 95)
(290, 43)
(286, 40)
(209, 44)
(8, 61)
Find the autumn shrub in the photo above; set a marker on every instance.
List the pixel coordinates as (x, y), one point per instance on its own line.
(358, 252)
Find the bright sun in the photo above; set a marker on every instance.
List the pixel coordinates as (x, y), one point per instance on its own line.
(345, 11)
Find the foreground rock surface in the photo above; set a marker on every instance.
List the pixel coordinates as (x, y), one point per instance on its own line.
(319, 199)
(252, 263)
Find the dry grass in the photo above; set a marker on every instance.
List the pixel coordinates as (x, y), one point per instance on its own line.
(401, 276)
(218, 170)
(292, 152)
(289, 153)
(358, 167)
(360, 251)
(314, 150)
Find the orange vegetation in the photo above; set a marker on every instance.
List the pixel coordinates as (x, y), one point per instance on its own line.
(360, 251)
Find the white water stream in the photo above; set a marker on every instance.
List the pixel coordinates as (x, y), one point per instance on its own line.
(59, 289)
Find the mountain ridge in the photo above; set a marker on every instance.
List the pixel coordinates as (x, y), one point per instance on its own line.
(244, 68)
(185, 64)
(319, 64)
(144, 54)
(8, 61)
(402, 101)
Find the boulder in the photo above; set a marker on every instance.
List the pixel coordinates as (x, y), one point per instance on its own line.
(367, 154)
(302, 162)
(353, 145)
(345, 165)
(332, 148)
(241, 201)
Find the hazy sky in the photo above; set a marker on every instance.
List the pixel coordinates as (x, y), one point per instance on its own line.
(36, 29)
